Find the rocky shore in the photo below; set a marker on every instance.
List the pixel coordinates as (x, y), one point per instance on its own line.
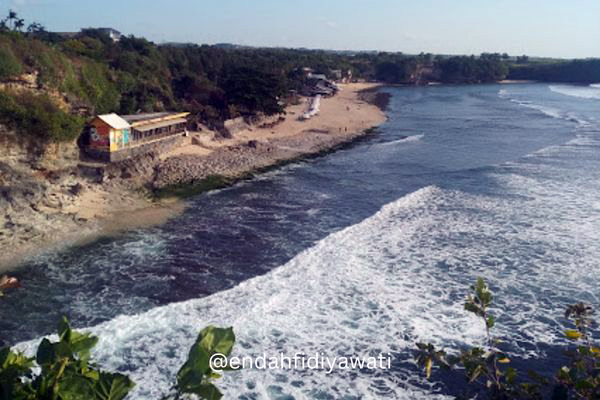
(55, 200)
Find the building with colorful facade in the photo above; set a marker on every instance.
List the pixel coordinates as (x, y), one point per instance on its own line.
(114, 138)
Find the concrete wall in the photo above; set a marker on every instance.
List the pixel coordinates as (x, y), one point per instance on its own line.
(235, 125)
(159, 146)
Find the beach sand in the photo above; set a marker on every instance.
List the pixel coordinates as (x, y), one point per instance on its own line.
(109, 209)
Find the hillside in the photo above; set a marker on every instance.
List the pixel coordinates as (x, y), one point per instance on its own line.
(50, 85)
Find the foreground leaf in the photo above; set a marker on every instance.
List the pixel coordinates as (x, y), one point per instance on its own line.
(112, 386)
(194, 375)
(573, 334)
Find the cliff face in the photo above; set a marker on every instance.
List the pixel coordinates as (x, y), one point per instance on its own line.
(36, 180)
(47, 195)
(424, 74)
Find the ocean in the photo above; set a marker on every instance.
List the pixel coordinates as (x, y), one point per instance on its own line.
(361, 252)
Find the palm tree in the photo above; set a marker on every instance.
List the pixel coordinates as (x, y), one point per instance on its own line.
(19, 23)
(12, 15)
(36, 27)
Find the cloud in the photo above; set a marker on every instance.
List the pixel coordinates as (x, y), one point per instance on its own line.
(331, 24)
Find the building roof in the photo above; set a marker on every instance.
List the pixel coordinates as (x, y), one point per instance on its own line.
(114, 121)
(138, 120)
(145, 116)
(148, 127)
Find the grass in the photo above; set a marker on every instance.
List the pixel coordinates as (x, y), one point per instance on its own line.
(9, 64)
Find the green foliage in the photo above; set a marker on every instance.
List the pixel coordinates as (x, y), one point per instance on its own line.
(98, 87)
(9, 64)
(216, 83)
(574, 71)
(65, 371)
(62, 370)
(196, 374)
(253, 91)
(400, 71)
(38, 115)
(471, 69)
(487, 367)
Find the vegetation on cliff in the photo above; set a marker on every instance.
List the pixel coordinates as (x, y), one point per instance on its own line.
(572, 71)
(79, 76)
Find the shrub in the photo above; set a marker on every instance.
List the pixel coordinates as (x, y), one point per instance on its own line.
(9, 64)
(487, 367)
(38, 115)
(63, 371)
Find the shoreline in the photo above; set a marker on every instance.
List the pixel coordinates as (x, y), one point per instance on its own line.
(112, 208)
(515, 81)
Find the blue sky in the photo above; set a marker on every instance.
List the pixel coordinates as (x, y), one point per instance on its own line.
(559, 28)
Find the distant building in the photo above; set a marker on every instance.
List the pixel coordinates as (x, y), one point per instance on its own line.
(114, 138)
(336, 74)
(113, 34)
(318, 84)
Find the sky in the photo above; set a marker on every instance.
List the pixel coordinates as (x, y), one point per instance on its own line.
(549, 28)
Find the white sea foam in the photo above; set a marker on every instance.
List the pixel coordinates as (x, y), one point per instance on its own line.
(547, 110)
(413, 138)
(395, 278)
(334, 298)
(408, 139)
(583, 92)
(398, 277)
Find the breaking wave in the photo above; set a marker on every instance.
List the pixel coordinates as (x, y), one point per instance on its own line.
(407, 139)
(584, 92)
(544, 109)
(377, 287)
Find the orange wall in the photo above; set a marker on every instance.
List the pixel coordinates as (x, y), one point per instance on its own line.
(100, 139)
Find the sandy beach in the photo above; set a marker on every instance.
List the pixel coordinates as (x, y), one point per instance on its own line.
(116, 205)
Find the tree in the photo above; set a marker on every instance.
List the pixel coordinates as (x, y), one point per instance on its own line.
(254, 90)
(63, 370)
(487, 368)
(35, 28)
(12, 16)
(19, 23)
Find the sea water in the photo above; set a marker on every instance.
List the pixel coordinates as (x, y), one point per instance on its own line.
(358, 253)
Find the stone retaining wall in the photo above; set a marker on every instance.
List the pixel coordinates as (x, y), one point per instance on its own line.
(158, 146)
